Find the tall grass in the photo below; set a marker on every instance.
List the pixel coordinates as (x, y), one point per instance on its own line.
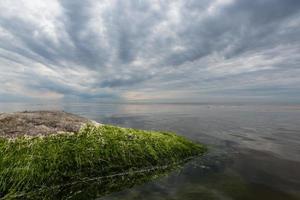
(115, 157)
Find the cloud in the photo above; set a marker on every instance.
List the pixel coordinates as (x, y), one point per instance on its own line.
(149, 49)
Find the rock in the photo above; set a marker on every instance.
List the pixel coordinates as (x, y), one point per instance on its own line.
(39, 123)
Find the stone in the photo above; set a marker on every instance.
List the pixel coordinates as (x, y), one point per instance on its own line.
(39, 123)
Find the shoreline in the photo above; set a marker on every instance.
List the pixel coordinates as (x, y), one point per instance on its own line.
(35, 163)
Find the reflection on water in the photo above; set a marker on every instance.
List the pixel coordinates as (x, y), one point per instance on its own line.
(92, 188)
(255, 149)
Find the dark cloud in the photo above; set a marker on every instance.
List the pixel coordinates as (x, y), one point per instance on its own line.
(112, 49)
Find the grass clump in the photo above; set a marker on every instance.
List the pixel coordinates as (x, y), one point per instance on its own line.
(97, 159)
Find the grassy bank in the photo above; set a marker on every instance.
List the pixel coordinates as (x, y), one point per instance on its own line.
(109, 156)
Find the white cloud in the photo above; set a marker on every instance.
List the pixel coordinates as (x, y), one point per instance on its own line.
(141, 50)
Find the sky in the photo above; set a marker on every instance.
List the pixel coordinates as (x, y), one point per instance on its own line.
(150, 50)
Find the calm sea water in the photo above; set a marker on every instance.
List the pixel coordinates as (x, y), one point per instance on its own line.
(254, 149)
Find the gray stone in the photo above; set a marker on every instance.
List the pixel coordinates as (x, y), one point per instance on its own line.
(39, 123)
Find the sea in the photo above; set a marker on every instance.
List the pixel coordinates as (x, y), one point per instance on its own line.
(254, 149)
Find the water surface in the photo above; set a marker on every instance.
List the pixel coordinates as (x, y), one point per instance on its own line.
(254, 149)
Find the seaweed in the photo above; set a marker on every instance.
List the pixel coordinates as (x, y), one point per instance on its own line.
(92, 162)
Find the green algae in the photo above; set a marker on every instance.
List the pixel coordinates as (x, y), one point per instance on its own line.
(92, 162)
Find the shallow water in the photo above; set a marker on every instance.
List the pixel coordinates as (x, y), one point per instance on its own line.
(254, 149)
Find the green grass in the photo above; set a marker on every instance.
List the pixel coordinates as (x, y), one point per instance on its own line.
(96, 159)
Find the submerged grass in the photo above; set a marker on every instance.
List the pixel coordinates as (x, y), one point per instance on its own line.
(104, 157)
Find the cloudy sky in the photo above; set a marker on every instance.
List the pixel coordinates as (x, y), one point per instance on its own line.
(181, 50)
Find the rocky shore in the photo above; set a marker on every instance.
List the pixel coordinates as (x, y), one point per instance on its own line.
(65, 156)
(39, 123)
